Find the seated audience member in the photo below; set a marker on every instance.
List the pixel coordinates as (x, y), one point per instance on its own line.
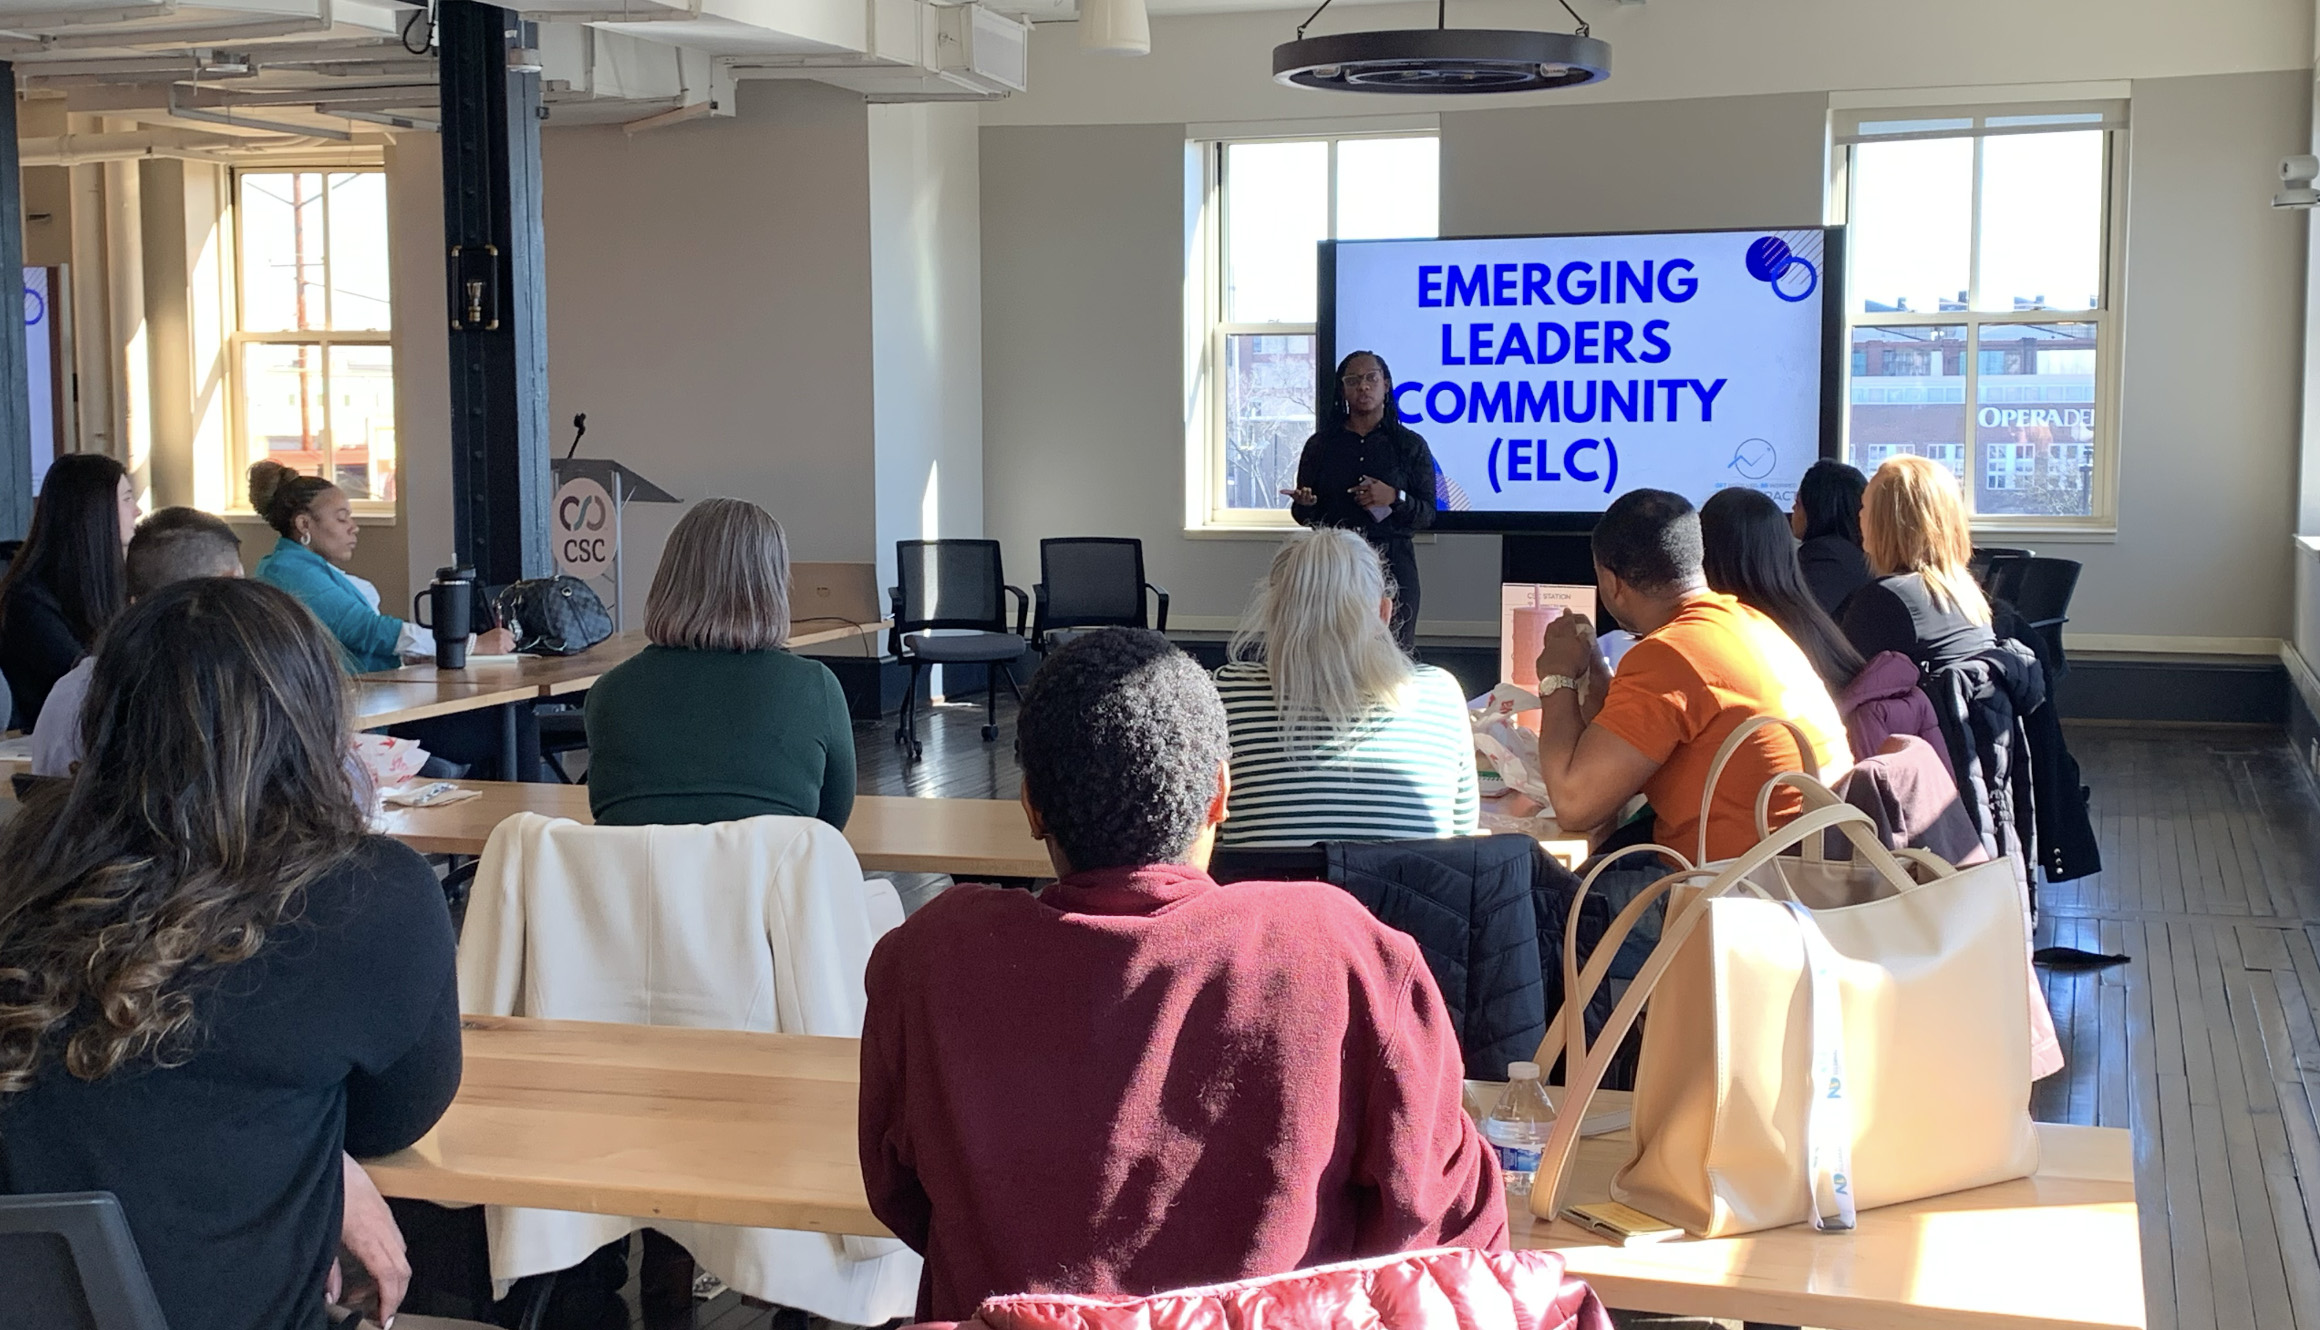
(1826, 519)
(1702, 663)
(1336, 735)
(65, 584)
(714, 721)
(315, 521)
(1925, 603)
(172, 545)
(1139, 1080)
(1748, 554)
(212, 982)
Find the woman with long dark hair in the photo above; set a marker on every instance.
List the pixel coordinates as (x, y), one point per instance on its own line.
(212, 981)
(1749, 554)
(1827, 519)
(1366, 471)
(67, 582)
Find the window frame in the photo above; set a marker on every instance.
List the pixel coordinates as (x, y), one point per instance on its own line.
(2107, 317)
(1208, 467)
(371, 511)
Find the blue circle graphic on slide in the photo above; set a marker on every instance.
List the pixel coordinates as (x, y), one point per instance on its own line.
(1770, 261)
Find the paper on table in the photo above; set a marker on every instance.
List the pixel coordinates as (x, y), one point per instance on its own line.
(433, 794)
(17, 749)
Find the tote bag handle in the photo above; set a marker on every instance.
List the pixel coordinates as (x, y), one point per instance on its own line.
(1584, 1078)
(1730, 747)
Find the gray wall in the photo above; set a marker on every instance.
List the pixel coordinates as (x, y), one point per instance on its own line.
(927, 323)
(1083, 270)
(708, 308)
(1083, 421)
(2214, 360)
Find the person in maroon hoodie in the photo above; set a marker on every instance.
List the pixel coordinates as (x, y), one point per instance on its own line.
(1140, 1080)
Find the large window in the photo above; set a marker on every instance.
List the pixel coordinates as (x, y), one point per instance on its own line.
(314, 374)
(1269, 202)
(1983, 281)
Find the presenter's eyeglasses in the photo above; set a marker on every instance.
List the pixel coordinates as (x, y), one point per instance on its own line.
(1363, 380)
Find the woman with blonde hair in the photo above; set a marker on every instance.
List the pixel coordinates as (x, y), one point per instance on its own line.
(714, 721)
(1336, 735)
(1924, 603)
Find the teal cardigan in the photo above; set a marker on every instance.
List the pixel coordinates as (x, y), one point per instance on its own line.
(366, 637)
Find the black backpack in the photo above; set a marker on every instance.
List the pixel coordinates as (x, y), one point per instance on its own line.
(553, 616)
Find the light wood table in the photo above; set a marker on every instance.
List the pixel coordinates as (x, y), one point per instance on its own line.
(375, 705)
(889, 833)
(2059, 1250)
(759, 1130)
(558, 676)
(714, 1126)
(965, 837)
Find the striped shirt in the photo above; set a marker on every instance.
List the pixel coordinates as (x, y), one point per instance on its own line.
(1404, 773)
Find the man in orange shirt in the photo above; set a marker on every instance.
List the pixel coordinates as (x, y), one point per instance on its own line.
(1703, 663)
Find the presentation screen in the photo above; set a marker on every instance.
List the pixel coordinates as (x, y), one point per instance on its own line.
(1551, 374)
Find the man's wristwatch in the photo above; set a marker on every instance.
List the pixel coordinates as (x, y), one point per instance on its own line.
(1550, 684)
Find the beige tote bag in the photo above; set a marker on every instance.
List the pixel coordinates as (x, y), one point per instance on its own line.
(1806, 1060)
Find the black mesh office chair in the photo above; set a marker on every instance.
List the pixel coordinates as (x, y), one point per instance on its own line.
(1091, 582)
(1996, 567)
(950, 608)
(67, 1261)
(2042, 589)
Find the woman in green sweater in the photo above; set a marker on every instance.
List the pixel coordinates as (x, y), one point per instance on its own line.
(714, 721)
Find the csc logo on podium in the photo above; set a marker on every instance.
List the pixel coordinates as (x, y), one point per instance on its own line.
(580, 525)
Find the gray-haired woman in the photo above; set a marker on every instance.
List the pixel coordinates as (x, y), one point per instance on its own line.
(714, 721)
(1336, 735)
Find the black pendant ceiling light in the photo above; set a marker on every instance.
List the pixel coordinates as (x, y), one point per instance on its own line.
(1442, 60)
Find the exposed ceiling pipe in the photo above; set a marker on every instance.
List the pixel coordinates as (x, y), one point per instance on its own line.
(86, 149)
(179, 110)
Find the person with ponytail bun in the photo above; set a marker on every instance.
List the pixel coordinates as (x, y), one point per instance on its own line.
(316, 523)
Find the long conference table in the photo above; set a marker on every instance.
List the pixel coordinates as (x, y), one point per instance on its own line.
(423, 692)
(888, 832)
(758, 1130)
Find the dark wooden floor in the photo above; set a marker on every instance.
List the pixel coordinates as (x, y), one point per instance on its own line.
(2205, 1044)
(959, 762)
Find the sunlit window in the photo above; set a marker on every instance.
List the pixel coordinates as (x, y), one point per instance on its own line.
(1271, 202)
(314, 373)
(1980, 254)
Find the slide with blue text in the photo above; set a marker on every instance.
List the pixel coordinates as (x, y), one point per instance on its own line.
(1552, 374)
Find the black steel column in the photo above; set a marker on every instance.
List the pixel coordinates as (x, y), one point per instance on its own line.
(15, 391)
(499, 335)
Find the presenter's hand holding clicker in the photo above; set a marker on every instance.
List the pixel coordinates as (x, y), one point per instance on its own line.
(1371, 492)
(1302, 495)
(1568, 648)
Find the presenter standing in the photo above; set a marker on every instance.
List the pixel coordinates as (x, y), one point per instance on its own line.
(1366, 471)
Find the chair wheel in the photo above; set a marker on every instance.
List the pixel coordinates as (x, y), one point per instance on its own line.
(990, 732)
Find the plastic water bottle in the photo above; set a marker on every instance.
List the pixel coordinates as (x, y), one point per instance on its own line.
(1518, 1127)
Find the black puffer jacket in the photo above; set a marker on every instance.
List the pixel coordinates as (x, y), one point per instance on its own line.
(1467, 903)
(1980, 702)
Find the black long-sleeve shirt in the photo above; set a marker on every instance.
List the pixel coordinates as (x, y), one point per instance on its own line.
(342, 1032)
(1336, 458)
(37, 647)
